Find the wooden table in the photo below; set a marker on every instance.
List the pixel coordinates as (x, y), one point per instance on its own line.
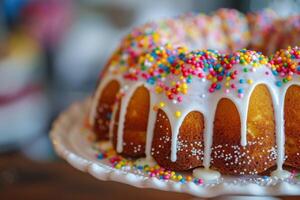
(22, 178)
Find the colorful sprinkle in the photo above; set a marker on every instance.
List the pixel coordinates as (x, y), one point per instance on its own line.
(279, 83)
(177, 114)
(162, 104)
(285, 63)
(120, 163)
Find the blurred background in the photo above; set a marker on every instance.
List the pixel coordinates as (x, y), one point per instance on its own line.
(51, 52)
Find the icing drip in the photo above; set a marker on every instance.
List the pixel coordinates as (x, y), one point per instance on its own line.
(175, 125)
(280, 139)
(124, 104)
(281, 174)
(112, 121)
(208, 135)
(120, 131)
(150, 128)
(243, 111)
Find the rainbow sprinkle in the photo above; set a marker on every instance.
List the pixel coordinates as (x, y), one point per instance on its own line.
(285, 65)
(118, 162)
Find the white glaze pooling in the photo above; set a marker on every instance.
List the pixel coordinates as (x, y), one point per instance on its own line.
(206, 174)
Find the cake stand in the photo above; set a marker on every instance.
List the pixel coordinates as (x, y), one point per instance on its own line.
(71, 142)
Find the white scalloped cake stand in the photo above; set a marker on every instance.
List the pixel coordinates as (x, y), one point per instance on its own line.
(73, 145)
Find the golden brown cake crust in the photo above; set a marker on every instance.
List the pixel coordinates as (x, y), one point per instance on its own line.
(136, 120)
(104, 110)
(292, 126)
(190, 142)
(228, 156)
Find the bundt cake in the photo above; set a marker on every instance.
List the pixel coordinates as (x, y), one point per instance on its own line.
(232, 110)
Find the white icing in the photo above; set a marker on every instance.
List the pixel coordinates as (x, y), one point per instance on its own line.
(150, 128)
(206, 174)
(112, 120)
(281, 174)
(208, 135)
(124, 104)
